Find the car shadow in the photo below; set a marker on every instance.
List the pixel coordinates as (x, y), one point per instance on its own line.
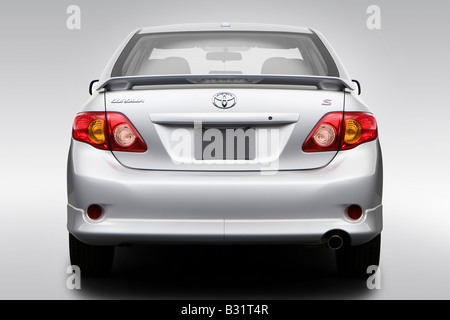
(223, 272)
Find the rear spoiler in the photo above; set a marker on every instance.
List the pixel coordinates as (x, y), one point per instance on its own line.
(321, 83)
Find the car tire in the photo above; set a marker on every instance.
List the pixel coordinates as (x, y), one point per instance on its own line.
(92, 260)
(353, 261)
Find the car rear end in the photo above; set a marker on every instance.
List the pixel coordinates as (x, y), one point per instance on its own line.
(225, 135)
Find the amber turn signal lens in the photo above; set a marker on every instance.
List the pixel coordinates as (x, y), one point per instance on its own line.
(96, 131)
(353, 131)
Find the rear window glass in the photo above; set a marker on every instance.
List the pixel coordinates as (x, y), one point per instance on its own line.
(225, 53)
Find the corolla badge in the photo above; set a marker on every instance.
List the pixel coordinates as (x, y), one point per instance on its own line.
(127, 101)
(224, 100)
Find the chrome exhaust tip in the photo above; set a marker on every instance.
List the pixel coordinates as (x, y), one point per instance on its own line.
(335, 242)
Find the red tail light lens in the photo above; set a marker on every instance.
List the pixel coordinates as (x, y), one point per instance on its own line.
(123, 136)
(90, 127)
(108, 131)
(351, 130)
(330, 122)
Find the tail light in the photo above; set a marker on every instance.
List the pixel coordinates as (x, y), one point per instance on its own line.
(108, 131)
(123, 136)
(330, 122)
(341, 131)
(358, 128)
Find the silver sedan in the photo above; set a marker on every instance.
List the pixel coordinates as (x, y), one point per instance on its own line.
(227, 133)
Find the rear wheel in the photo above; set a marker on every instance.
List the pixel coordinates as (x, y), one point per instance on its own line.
(92, 260)
(354, 261)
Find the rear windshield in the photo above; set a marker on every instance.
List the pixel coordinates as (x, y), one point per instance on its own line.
(225, 53)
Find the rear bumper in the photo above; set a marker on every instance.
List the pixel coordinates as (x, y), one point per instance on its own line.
(214, 207)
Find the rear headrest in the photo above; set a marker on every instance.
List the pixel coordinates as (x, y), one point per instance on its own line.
(171, 65)
(280, 65)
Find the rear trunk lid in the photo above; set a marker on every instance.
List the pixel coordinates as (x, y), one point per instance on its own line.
(186, 128)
